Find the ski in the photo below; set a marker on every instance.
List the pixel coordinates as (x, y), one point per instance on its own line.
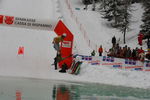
(78, 68)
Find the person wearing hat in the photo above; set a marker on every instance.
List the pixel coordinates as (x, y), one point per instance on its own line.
(57, 40)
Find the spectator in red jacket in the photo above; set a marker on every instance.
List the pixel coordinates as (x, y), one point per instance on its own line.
(141, 54)
(100, 50)
(140, 37)
(140, 50)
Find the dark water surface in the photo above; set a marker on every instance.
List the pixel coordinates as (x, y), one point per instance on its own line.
(37, 89)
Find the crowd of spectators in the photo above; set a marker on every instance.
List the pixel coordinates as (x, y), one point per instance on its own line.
(126, 52)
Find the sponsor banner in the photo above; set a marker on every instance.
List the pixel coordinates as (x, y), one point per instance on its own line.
(147, 65)
(66, 44)
(139, 69)
(117, 62)
(133, 67)
(31, 23)
(96, 62)
(147, 70)
(130, 62)
(86, 58)
(111, 63)
(117, 66)
(108, 59)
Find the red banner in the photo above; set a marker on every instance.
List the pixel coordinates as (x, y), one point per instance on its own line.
(66, 45)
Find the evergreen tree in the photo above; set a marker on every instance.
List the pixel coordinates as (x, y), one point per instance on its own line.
(117, 12)
(112, 10)
(86, 1)
(102, 4)
(145, 27)
(124, 18)
(107, 9)
(93, 2)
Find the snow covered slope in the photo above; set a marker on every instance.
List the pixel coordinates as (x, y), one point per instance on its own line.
(28, 8)
(38, 50)
(97, 30)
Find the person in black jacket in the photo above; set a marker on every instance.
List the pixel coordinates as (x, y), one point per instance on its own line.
(93, 53)
(113, 41)
(134, 54)
(148, 43)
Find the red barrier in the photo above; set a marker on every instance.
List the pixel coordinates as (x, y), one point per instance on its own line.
(67, 44)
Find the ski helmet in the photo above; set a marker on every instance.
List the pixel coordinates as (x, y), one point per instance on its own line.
(64, 35)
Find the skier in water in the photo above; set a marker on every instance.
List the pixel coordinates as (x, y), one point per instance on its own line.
(57, 40)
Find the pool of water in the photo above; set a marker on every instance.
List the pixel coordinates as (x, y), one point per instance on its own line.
(40, 89)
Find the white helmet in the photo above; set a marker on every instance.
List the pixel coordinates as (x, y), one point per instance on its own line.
(78, 58)
(64, 34)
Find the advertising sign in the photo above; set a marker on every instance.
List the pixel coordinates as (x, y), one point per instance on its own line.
(117, 62)
(67, 44)
(147, 66)
(31, 23)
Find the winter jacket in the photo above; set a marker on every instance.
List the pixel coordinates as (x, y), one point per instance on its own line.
(114, 40)
(140, 51)
(93, 53)
(134, 53)
(140, 36)
(58, 39)
(100, 50)
(128, 53)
